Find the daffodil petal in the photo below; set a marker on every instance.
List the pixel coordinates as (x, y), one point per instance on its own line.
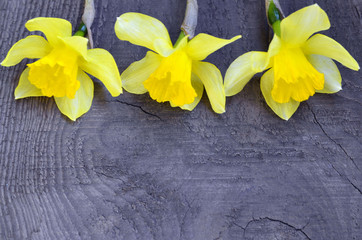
(283, 110)
(211, 77)
(182, 44)
(162, 47)
(300, 25)
(51, 27)
(100, 63)
(78, 44)
(29, 47)
(199, 89)
(143, 30)
(242, 70)
(332, 77)
(274, 46)
(25, 88)
(138, 72)
(81, 103)
(203, 45)
(322, 45)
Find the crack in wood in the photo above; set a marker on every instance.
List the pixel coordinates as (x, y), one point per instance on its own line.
(345, 177)
(141, 108)
(301, 230)
(330, 138)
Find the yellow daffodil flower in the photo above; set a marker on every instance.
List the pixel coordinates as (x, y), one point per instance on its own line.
(60, 71)
(171, 73)
(299, 64)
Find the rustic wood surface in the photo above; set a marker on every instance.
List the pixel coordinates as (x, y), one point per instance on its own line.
(135, 169)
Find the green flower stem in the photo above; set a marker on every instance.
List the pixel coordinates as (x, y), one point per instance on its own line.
(276, 28)
(274, 15)
(180, 37)
(82, 30)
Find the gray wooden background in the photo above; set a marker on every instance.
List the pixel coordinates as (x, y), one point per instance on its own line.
(135, 169)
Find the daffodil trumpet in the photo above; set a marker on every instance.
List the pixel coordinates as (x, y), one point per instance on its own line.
(298, 63)
(61, 70)
(172, 73)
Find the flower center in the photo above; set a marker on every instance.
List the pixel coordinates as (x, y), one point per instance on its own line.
(56, 73)
(172, 80)
(294, 76)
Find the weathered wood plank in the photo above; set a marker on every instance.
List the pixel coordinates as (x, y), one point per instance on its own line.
(134, 169)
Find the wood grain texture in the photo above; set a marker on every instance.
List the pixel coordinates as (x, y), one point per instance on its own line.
(135, 169)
